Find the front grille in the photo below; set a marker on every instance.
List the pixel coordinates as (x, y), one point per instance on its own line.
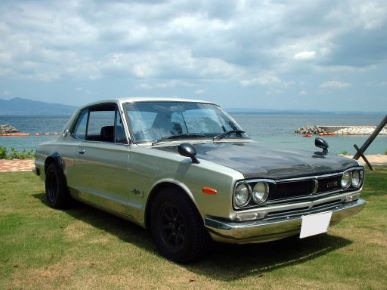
(313, 186)
(329, 184)
(292, 189)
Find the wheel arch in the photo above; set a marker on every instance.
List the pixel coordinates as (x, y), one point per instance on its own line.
(158, 187)
(54, 158)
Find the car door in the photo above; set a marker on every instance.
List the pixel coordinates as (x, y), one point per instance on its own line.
(102, 167)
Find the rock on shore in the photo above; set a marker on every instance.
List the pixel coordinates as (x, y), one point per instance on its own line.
(315, 130)
(339, 130)
(359, 130)
(6, 129)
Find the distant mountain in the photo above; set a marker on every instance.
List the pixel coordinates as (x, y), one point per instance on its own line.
(20, 106)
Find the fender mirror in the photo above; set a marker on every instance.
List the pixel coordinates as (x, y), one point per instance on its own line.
(321, 143)
(187, 150)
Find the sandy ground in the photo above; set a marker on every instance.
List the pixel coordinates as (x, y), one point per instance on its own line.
(28, 165)
(377, 159)
(16, 165)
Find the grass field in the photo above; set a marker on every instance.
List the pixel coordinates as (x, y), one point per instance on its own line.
(83, 248)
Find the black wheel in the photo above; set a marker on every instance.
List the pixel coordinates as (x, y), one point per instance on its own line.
(56, 189)
(177, 228)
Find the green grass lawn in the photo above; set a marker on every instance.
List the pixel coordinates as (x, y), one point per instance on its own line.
(84, 248)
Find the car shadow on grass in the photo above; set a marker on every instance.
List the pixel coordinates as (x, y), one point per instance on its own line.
(232, 262)
(223, 262)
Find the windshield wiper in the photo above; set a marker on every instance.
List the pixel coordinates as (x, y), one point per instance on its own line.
(180, 136)
(225, 134)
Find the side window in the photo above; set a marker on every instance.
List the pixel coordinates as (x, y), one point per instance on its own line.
(79, 130)
(101, 126)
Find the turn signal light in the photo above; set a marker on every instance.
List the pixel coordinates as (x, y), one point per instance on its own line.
(209, 190)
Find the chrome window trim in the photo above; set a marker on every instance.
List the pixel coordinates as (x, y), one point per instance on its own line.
(118, 108)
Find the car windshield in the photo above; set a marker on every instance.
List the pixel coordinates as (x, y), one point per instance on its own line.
(160, 120)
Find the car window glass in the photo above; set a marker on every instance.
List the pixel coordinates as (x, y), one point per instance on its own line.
(150, 121)
(142, 122)
(119, 133)
(204, 120)
(80, 127)
(101, 126)
(178, 124)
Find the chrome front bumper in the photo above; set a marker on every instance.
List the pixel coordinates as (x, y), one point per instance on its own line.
(272, 229)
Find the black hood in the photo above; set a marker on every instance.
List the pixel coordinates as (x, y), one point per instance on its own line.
(255, 160)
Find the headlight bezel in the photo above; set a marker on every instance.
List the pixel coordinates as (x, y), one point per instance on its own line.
(349, 180)
(247, 186)
(360, 182)
(251, 184)
(265, 193)
(352, 185)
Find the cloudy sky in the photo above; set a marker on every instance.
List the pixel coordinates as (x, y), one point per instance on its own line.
(326, 55)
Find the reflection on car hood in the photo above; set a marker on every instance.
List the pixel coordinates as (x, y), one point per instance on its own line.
(255, 160)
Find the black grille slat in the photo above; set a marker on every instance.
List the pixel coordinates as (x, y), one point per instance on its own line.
(292, 189)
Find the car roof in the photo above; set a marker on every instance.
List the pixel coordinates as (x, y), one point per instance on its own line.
(145, 99)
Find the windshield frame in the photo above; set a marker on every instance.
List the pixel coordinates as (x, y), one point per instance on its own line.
(209, 137)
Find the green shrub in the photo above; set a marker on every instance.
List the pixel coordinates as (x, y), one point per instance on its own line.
(344, 152)
(3, 152)
(15, 154)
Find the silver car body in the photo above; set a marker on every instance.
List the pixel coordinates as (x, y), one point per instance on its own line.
(120, 178)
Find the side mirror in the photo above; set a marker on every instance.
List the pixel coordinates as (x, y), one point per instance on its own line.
(187, 150)
(321, 143)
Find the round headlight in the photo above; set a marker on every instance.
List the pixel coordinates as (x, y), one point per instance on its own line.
(260, 192)
(356, 178)
(346, 180)
(242, 195)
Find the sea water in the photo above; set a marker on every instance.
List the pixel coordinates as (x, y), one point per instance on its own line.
(273, 128)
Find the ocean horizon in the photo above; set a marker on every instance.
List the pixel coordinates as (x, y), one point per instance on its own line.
(271, 128)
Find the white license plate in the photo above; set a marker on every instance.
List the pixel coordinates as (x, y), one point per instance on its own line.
(315, 224)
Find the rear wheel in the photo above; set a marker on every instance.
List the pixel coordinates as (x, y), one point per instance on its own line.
(56, 189)
(177, 228)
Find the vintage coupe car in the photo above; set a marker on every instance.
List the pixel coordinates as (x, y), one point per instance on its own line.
(186, 171)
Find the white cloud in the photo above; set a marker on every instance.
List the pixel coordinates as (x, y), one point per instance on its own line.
(267, 79)
(377, 83)
(305, 55)
(334, 85)
(261, 46)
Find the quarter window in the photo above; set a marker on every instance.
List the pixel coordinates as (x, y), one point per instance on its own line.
(80, 127)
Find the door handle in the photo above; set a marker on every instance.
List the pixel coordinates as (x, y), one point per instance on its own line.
(82, 151)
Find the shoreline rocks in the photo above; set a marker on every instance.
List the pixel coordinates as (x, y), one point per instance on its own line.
(7, 129)
(339, 130)
(314, 130)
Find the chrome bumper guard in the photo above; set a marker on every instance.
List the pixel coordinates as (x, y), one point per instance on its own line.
(276, 227)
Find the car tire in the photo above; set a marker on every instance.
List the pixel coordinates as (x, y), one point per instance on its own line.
(177, 228)
(57, 193)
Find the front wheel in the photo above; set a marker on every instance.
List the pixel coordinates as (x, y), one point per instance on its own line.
(177, 228)
(56, 188)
